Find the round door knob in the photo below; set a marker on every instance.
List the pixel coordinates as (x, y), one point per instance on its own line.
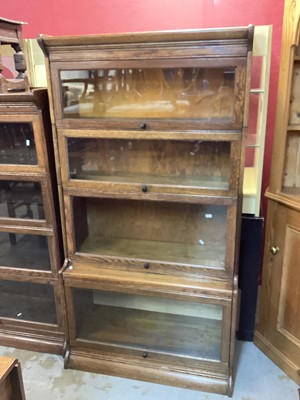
(143, 125)
(274, 250)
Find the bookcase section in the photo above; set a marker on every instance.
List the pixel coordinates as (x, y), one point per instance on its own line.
(150, 132)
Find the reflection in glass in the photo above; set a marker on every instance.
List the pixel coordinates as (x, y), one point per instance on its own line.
(27, 301)
(149, 93)
(192, 234)
(149, 323)
(24, 251)
(17, 144)
(187, 163)
(21, 199)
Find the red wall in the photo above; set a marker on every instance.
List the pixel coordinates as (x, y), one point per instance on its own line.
(69, 17)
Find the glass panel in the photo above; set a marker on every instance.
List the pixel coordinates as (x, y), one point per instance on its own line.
(148, 323)
(187, 163)
(17, 144)
(291, 177)
(175, 232)
(199, 93)
(21, 199)
(294, 118)
(24, 251)
(27, 301)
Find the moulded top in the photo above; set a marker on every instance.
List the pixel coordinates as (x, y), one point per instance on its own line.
(12, 22)
(49, 43)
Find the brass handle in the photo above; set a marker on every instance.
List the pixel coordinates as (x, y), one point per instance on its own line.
(274, 250)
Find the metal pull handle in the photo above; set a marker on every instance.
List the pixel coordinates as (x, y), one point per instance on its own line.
(274, 250)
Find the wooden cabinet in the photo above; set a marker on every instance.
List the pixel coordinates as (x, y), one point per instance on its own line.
(11, 383)
(149, 132)
(278, 330)
(31, 293)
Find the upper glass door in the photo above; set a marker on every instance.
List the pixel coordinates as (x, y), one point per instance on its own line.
(144, 164)
(198, 93)
(188, 91)
(17, 143)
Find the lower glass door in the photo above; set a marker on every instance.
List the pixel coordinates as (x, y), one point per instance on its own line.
(25, 251)
(21, 199)
(27, 301)
(181, 328)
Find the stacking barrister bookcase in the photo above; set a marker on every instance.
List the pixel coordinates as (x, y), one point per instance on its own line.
(31, 293)
(149, 136)
(32, 311)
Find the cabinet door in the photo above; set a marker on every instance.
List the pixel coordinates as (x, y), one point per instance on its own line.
(24, 251)
(278, 331)
(152, 164)
(145, 324)
(155, 235)
(21, 199)
(22, 147)
(27, 301)
(153, 324)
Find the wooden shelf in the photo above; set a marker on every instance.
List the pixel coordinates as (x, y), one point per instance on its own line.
(212, 255)
(153, 331)
(295, 127)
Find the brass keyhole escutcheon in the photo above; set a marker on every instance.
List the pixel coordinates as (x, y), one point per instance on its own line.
(274, 250)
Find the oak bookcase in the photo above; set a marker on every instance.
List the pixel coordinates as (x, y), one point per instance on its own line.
(149, 133)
